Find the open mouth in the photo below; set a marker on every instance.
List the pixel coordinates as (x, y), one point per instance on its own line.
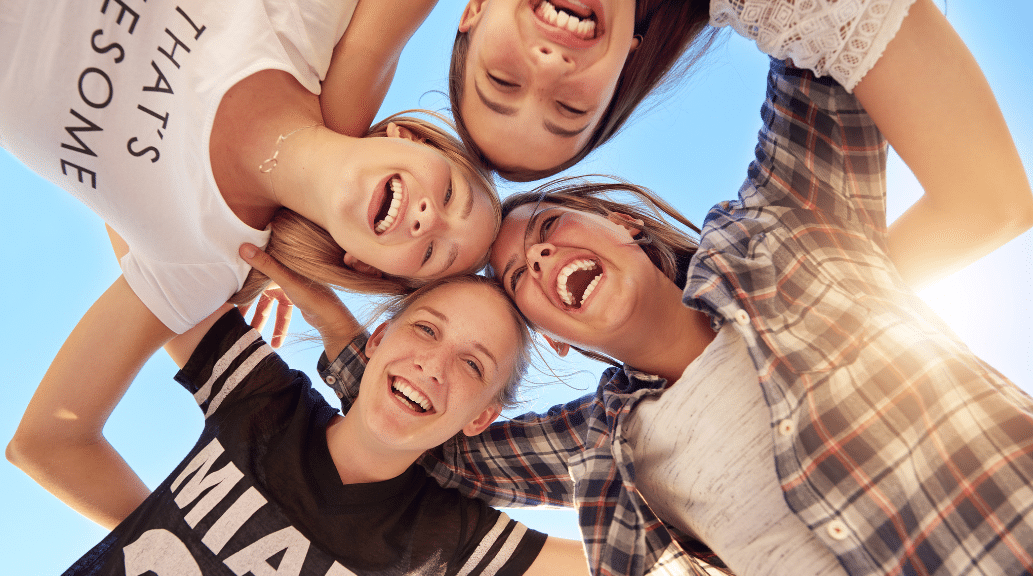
(569, 15)
(577, 280)
(411, 397)
(388, 212)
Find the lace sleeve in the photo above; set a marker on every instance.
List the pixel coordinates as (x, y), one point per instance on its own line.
(838, 38)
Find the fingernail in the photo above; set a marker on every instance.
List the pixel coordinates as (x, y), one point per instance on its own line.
(248, 251)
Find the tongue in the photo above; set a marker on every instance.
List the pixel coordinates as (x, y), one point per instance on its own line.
(578, 282)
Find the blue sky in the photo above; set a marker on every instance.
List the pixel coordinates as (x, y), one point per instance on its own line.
(692, 148)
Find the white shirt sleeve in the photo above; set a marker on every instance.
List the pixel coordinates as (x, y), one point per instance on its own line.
(838, 38)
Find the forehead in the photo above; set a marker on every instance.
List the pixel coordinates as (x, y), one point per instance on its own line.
(475, 235)
(472, 313)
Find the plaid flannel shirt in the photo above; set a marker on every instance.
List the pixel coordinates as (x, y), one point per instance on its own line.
(896, 446)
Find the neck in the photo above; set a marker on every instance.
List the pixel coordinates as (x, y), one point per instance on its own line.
(359, 459)
(666, 337)
(250, 119)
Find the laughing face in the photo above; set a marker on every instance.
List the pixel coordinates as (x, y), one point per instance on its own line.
(540, 74)
(435, 370)
(579, 277)
(422, 217)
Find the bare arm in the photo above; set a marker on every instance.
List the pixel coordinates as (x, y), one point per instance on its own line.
(560, 557)
(364, 61)
(931, 101)
(59, 441)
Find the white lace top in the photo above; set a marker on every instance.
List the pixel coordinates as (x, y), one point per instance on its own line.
(839, 38)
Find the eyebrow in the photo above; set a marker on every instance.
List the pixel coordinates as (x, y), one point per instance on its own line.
(500, 108)
(560, 131)
(452, 255)
(445, 319)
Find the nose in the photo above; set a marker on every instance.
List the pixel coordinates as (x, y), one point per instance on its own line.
(550, 61)
(536, 256)
(430, 365)
(426, 219)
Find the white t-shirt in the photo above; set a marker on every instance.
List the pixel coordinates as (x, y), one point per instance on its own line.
(113, 100)
(703, 462)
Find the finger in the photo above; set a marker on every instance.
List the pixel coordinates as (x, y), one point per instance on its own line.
(262, 309)
(283, 321)
(267, 265)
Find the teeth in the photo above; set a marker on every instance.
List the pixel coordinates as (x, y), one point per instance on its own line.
(584, 28)
(561, 280)
(392, 211)
(413, 395)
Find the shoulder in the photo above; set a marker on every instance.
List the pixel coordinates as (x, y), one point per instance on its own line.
(231, 358)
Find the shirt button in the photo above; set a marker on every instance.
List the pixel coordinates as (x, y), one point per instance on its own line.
(837, 530)
(339, 393)
(331, 380)
(742, 317)
(786, 427)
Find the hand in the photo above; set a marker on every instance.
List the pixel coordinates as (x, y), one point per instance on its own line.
(318, 303)
(264, 307)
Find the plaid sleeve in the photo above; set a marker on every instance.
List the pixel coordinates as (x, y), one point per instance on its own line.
(819, 155)
(521, 461)
(344, 374)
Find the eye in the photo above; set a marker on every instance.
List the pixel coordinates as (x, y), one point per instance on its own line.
(428, 253)
(501, 83)
(477, 369)
(425, 328)
(543, 230)
(514, 277)
(448, 193)
(571, 109)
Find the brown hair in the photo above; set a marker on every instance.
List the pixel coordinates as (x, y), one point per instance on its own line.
(506, 397)
(308, 250)
(667, 246)
(674, 36)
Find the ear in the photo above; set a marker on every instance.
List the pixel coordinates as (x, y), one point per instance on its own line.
(360, 266)
(396, 131)
(471, 15)
(632, 225)
(561, 348)
(374, 340)
(483, 420)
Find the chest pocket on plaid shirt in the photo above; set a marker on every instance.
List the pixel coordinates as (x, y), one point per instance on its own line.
(799, 309)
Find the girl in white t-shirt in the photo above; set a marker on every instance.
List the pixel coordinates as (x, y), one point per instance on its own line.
(193, 127)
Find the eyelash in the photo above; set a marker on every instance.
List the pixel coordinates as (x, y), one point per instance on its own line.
(501, 82)
(428, 253)
(542, 231)
(571, 109)
(428, 330)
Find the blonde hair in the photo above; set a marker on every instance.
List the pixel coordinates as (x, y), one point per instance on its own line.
(507, 395)
(308, 250)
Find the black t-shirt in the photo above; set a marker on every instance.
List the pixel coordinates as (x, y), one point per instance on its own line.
(259, 492)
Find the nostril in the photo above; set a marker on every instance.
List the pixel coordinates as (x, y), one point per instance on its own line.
(536, 267)
(416, 226)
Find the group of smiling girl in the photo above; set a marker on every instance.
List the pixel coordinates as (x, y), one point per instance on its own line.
(780, 401)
